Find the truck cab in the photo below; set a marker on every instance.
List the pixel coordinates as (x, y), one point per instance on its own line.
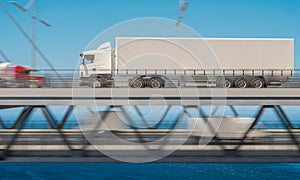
(95, 67)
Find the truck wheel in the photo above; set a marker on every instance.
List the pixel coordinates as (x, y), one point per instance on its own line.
(95, 83)
(33, 85)
(241, 83)
(138, 83)
(257, 83)
(2, 83)
(226, 83)
(156, 83)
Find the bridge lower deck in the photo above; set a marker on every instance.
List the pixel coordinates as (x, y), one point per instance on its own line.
(48, 146)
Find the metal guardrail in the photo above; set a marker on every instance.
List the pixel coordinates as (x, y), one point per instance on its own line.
(70, 77)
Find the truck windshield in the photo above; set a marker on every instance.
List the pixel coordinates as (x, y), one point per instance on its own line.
(88, 59)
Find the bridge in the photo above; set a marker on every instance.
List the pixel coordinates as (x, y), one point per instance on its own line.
(61, 142)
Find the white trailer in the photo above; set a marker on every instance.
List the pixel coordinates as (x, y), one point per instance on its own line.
(159, 62)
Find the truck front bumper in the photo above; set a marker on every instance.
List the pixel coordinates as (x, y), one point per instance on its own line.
(84, 81)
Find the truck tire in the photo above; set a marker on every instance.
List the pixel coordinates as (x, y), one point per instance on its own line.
(32, 85)
(241, 83)
(257, 83)
(156, 83)
(2, 83)
(225, 83)
(95, 83)
(137, 83)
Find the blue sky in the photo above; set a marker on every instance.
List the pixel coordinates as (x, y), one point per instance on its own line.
(75, 23)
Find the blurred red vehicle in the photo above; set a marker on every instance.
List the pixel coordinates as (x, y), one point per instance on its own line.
(19, 76)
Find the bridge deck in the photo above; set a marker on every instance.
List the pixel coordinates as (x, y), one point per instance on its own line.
(172, 96)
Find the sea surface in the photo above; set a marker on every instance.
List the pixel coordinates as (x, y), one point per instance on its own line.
(148, 171)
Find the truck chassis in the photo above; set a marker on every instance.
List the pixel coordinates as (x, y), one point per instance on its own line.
(189, 78)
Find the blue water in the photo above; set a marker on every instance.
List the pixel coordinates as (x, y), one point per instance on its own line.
(148, 171)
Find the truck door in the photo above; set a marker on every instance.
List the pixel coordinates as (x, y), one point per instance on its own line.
(87, 65)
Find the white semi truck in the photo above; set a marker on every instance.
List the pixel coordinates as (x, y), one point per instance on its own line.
(183, 62)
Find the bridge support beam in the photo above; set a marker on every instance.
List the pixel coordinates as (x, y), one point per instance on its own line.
(226, 147)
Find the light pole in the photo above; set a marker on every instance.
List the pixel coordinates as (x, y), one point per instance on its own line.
(182, 8)
(32, 4)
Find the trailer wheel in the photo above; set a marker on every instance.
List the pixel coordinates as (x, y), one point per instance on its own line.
(241, 83)
(156, 83)
(95, 83)
(137, 83)
(257, 83)
(226, 83)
